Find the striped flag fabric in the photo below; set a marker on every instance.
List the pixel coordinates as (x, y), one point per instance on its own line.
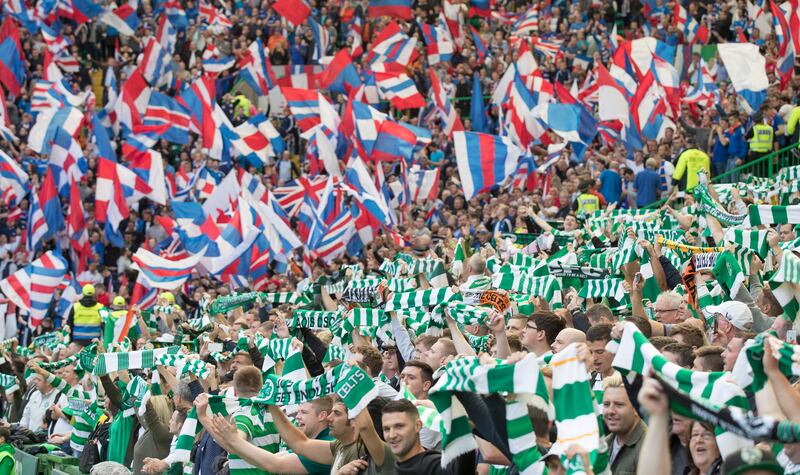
(163, 273)
(439, 45)
(66, 157)
(421, 298)
(753, 239)
(450, 119)
(169, 117)
(12, 67)
(593, 288)
(484, 161)
(528, 22)
(33, 287)
(480, 45)
(399, 90)
(392, 45)
(340, 76)
(391, 8)
(693, 32)
(154, 61)
(122, 19)
(116, 185)
(257, 138)
(257, 69)
(423, 184)
(766, 214)
(76, 228)
(36, 228)
(321, 39)
(746, 68)
(51, 205)
(304, 106)
(14, 182)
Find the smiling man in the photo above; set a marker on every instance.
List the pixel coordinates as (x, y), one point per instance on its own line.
(627, 429)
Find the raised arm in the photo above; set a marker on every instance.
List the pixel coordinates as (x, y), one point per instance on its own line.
(373, 443)
(317, 450)
(655, 454)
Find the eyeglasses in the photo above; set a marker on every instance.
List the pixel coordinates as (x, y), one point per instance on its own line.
(665, 310)
(532, 327)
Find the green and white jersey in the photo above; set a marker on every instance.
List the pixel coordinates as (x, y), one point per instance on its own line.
(260, 431)
(84, 408)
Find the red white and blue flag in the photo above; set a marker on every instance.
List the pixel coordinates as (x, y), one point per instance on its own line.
(33, 287)
(163, 273)
(122, 19)
(391, 8)
(76, 229)
(423, 184)
(296, 11)
(440, 46)
(484, 161)
(693, 32)
(66, 157)
(399, 90)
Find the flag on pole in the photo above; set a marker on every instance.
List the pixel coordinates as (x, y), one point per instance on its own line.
(33, 287)
(484, 161)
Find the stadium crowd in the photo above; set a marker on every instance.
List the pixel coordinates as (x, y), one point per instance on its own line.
(453, 283)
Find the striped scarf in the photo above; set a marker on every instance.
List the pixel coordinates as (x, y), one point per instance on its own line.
(138, 392)
(459, 256)
(9, 383)
(388, 268)
(466, 314)
(432, 268)
(430, 417)
(144, 359)
(749, 368)
(420, 298)
(753, 239)
(282, 297)
(227, 303)
(595, 288)
(468, 375)
(636, 355)
(707, 205)
(789, 269)
(576, 272)
(766, 214)
(575, 409)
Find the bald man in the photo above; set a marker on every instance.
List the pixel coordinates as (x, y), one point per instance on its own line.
(567, 336)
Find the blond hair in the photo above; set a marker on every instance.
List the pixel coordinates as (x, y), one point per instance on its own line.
(613, 381)
(163, 407)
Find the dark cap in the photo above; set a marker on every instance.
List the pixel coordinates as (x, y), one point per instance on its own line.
(751, 458)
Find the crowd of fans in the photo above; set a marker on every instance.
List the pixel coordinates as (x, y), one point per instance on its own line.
(615, 247)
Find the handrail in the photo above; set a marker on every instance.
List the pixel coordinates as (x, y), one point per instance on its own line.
(765, 164)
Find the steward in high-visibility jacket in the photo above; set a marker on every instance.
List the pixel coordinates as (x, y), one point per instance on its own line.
(587, 202)
(763, 138)
(84, 320)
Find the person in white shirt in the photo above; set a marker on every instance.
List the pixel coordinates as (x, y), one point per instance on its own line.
(40, 401)
(372, 361)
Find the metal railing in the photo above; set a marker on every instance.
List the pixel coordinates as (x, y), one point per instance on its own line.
(766, 166)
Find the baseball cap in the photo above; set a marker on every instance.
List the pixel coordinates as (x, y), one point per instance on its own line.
(88, 290)
(168, 296)
(751, 459)
(737, 313)
(119, 301)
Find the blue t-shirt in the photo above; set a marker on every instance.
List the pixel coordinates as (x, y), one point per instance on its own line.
(610, 186)
(737, 146)
(719, 152)
(647, 183)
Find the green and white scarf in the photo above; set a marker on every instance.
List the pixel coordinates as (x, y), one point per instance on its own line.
(468, 375)
(138, 392)
(728, 273)
(766, 214)
(144, 359)
(595, 288)
(789, 269)
(459, 256)
(706, 205)
(430, 417)
(9, 383)
(421, 298)
(314, 319)
(635, 354)
(753, 239)
(466, 314)
(575, 409)
(749, 368)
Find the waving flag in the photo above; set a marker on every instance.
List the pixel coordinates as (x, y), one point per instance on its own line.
(161, 273)
(611, 97)
(154, 61)
(692, 31)
(304, 106)
(48, 122)
(176, 14)
(321, 39)
(67, 158)
(747, 69)
(448, 114)
(296, 11)
(484, 161)
(36, 228)
(168, 117)
(649, 106)
(122, 19)
(785, 38)
(258, 139)
(569, 121)
(12, 68)
(705, 91)
(423, 184)
(480, 45)
(51, 205)
(340, 76)
(392, 8)
(79, 10)
(477, 109)
(528, 22)
(399, 90)
(392, 46)
(257, 70)
(116, 185)
(197, 230)
(213, 16)
(439, 45)
(33, 287)
(14, 181)
(76, 228)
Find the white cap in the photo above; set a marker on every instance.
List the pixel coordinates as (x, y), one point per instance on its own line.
(737, 313)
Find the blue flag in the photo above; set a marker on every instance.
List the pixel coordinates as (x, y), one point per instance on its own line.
(477, 109)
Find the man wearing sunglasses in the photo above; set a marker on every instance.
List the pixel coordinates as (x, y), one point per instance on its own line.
(731, 319)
